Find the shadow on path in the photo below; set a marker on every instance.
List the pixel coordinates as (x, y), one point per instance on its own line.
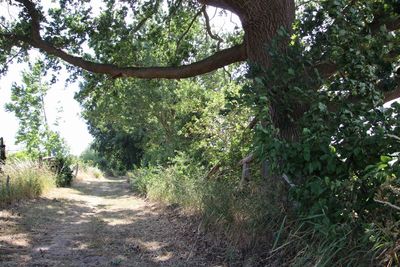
(99, 222)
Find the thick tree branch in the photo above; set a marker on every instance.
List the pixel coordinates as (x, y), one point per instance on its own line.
(224, 4)
(387, 97)
(387, 204)
(35, 17)
(327, 69)
(214, 62)
(390, 24)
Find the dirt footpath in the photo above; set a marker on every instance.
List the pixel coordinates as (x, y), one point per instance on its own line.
(99, 222)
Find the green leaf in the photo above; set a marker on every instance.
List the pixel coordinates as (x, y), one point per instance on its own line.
(385, 159)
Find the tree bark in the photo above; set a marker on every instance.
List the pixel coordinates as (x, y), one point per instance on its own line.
(261, 20)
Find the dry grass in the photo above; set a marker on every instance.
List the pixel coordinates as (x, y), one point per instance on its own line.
(26, 180)
(89, 172)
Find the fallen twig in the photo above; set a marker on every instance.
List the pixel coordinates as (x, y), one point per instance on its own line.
(387, 204)
(287, 180)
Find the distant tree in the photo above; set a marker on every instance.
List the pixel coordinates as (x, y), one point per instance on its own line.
(121, 150)
(28, 105)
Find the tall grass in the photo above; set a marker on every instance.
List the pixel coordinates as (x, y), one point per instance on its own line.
(246, 217)
(263, 230)
(87, 171)
(26, 180)
(169, 185)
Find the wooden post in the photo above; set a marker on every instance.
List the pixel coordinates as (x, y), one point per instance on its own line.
(2, 153)
(76, 170)
(2, 150)
(246, 174)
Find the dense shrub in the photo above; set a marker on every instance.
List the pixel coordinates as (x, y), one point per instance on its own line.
(64, 174)
(27, 180)
(93, 158)
(343, 155)
(180, 183)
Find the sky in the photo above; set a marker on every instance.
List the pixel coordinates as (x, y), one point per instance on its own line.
(71, 126)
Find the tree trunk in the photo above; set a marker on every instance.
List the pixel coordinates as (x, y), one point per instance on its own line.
(261, 19)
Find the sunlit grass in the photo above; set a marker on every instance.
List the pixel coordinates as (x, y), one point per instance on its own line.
(26, 180)
(88, 171)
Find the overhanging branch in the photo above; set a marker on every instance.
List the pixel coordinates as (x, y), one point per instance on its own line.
(218, 60)
(327, 69)
(214, 62)
(387, 97)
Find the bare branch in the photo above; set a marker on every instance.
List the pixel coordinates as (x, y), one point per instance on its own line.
(209, 31)
(326, 69)
(392, 95)
(387, 204)
(287, 180)
(390, 24)
(393, 136)
(213, 171)
(14, 56)
(247, 159)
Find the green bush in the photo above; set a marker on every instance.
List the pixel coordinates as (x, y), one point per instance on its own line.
(180, 183)
(94, 171)
(64, 174)
(27, 180)
(19, 155)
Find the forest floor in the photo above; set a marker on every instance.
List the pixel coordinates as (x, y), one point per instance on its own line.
(100, 222)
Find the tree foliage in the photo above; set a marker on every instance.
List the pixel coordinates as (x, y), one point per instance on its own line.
(28, 105)
(159, 118)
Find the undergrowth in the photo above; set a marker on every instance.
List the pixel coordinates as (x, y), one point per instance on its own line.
(264, 231)
(244, 216)
(26, 180)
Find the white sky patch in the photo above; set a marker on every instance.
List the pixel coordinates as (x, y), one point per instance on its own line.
(223, 21)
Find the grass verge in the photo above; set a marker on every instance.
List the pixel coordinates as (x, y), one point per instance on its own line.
(262, 231)
(24, 180)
